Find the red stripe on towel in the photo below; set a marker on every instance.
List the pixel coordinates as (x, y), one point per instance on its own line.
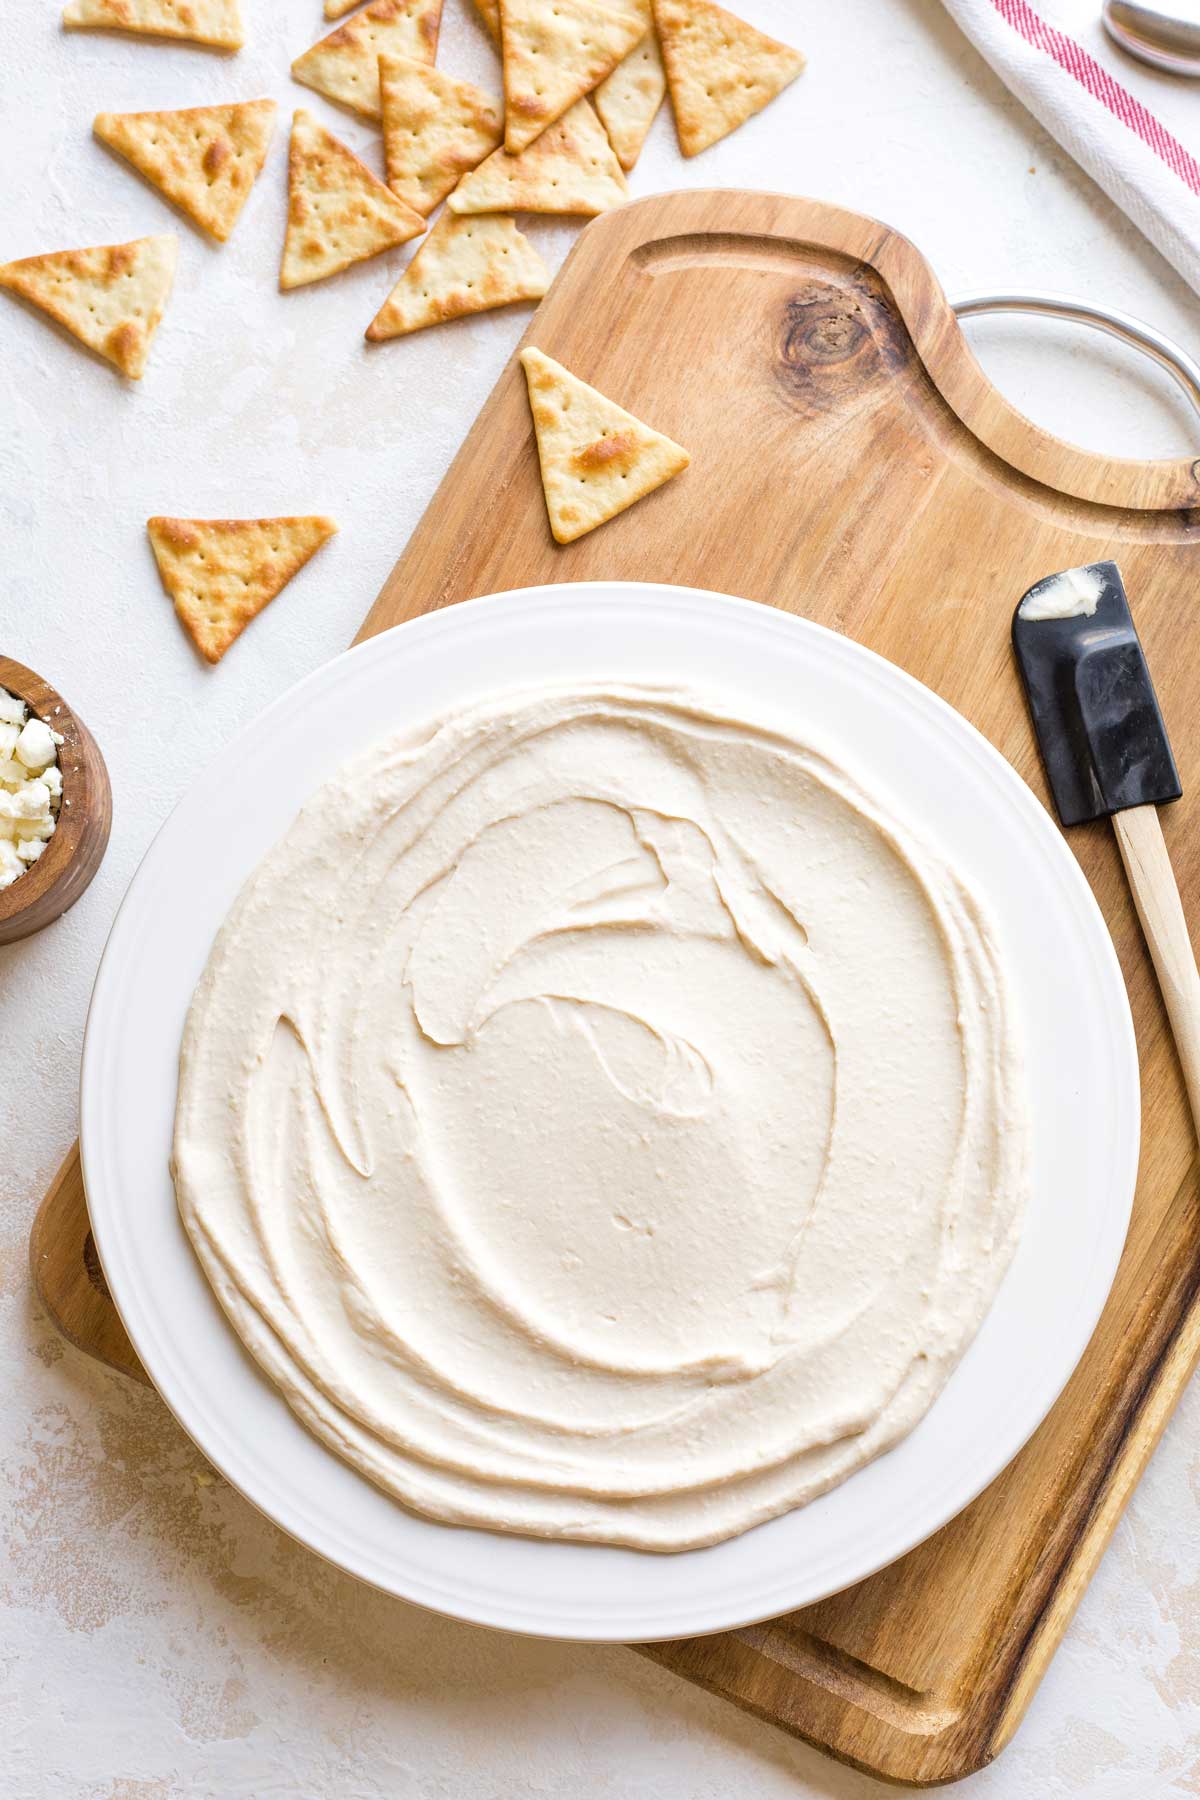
(1100, 85)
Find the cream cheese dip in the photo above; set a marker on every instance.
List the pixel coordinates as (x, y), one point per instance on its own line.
(603, 1119)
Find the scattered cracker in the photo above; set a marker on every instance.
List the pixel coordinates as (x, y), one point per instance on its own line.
(345, 65)
(628, 100)
(204, 158)
(555, 52)
(720, 70)
(489, 13)
(339, 212)
(111, 297)
(222, 572)
(596, 458)
(217, 23)
(465, 265)
(435, 128)
(571, 168)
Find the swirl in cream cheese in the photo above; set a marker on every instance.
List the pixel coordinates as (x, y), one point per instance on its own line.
(603, 1119)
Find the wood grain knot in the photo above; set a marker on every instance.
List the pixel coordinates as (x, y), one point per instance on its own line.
(91, 1264)
(822, 339)
(821, 328)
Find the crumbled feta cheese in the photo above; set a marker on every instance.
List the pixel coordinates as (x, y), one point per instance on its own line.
(35, 746)
(10, 864)
(26, 814)
(30, 787)
(33, 801)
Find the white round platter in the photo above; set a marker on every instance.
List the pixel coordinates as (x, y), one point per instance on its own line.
(945, 777)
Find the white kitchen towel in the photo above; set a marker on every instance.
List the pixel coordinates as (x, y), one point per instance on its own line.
(1122, 141)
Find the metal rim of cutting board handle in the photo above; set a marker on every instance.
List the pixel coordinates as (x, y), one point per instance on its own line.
(1146, 339)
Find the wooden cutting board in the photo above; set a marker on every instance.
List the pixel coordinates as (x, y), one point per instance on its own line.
(851, 463)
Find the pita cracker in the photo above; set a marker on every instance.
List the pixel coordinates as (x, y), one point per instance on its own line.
(204, 158)
(345, 65)
(628, 100)
(112, 297)
(435, 128)
(339, 212)
(596, 458)
(222, 572)
(489, 13)
(720, 70)
(569, 169)
(465, 265)
(555, 52)
(217, 23)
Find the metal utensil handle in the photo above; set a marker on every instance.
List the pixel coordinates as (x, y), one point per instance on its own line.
(1183, 368)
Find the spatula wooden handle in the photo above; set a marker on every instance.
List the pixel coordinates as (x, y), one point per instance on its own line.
(1156, 896)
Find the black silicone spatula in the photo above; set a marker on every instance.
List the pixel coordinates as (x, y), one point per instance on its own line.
(1106, 752)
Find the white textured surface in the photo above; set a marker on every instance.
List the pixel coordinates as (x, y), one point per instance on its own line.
(158, 1638)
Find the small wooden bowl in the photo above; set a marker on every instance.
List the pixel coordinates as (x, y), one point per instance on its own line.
(72, 856)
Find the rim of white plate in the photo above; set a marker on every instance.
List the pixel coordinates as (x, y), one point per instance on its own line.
(623, 1606)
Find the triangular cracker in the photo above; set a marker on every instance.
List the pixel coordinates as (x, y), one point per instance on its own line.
(465, 265)
(720, 70)
(555, 51)
(222, 572)
(628, 100)
(204, 158)
(435, 128)
(339, 212)
(337, 9)
(489, 13)
(111, 297)
(217, 23)
(596, 458)
(345, 65)
(569, 169)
